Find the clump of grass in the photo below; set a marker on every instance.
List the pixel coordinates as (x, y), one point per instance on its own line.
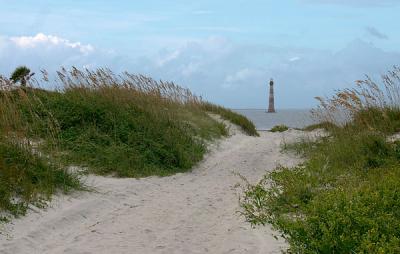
(302, 147)
(345, 197)
(27, 176)
(370, 105)
(122, 125)
(325, 125)
(279, 128)
(238, 119)
(127, 125)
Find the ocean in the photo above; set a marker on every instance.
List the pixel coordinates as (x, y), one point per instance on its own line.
(295, 118)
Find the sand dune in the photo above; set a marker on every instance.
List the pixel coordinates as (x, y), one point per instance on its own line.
(194, 212)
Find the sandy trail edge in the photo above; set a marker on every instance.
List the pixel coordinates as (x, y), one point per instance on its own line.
(193, 212)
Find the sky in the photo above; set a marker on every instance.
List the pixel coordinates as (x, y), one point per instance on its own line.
(225, 51)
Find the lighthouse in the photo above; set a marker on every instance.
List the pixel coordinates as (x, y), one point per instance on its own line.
(271, 106)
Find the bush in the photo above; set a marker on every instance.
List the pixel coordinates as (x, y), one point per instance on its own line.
(27, 175)
(246, 125)
(126, 128)
(320, 209)
(26, 178)
(127, 125)
(328, 126)
(112, 136)
(279, 128)
(345, 198)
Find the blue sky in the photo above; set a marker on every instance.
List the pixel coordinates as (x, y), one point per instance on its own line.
(225, 51)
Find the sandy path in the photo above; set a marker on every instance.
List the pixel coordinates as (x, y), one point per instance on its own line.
(187, 213)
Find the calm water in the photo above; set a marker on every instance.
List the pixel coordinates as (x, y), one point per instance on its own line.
(295, 118)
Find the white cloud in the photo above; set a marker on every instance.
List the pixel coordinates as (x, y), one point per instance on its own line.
(294, 59)
(162, 60)
(220, 70)
(236, 75)
(242, 75)
(246, 77)
(190, 69)
(50, 52)
(42, 40)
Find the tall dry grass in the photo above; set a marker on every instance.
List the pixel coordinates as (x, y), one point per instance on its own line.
(127, 125)
(123, 125)
(27, 176)
(370, 104)
(142, 87)
(345, 198)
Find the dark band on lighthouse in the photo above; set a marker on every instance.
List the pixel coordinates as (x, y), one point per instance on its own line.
(271, 106)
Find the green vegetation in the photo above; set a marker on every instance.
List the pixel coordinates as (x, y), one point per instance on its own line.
(235, 118)
(112, 131)
(328, 126)
(345, 198)
(21, 74)
(127, 126)
(27, 176)
(279, 128)
(124, 126)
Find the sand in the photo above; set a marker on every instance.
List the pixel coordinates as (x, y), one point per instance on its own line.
(195, 212)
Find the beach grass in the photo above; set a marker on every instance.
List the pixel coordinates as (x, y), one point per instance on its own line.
(29, 179)
(235, 118)
(345, 198)
(279, 128)
(130, 126)
(325, 125)
(27, 176)
(116, 125)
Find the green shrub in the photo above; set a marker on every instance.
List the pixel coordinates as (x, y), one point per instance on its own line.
(361, 219)
(385, 120)
(27, 175)
(279, 128)
(112, 129)
(127, 126)
(21, 74)
(26, 178)
(238, 119)
(319, 211)
(328, 126)
(345, 198)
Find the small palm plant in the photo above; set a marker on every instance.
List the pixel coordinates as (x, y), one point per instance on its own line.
(21, 74)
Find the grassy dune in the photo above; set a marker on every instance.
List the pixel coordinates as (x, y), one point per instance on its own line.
(345, 198)
(27, 176)
(227, 114)
(120, 125)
